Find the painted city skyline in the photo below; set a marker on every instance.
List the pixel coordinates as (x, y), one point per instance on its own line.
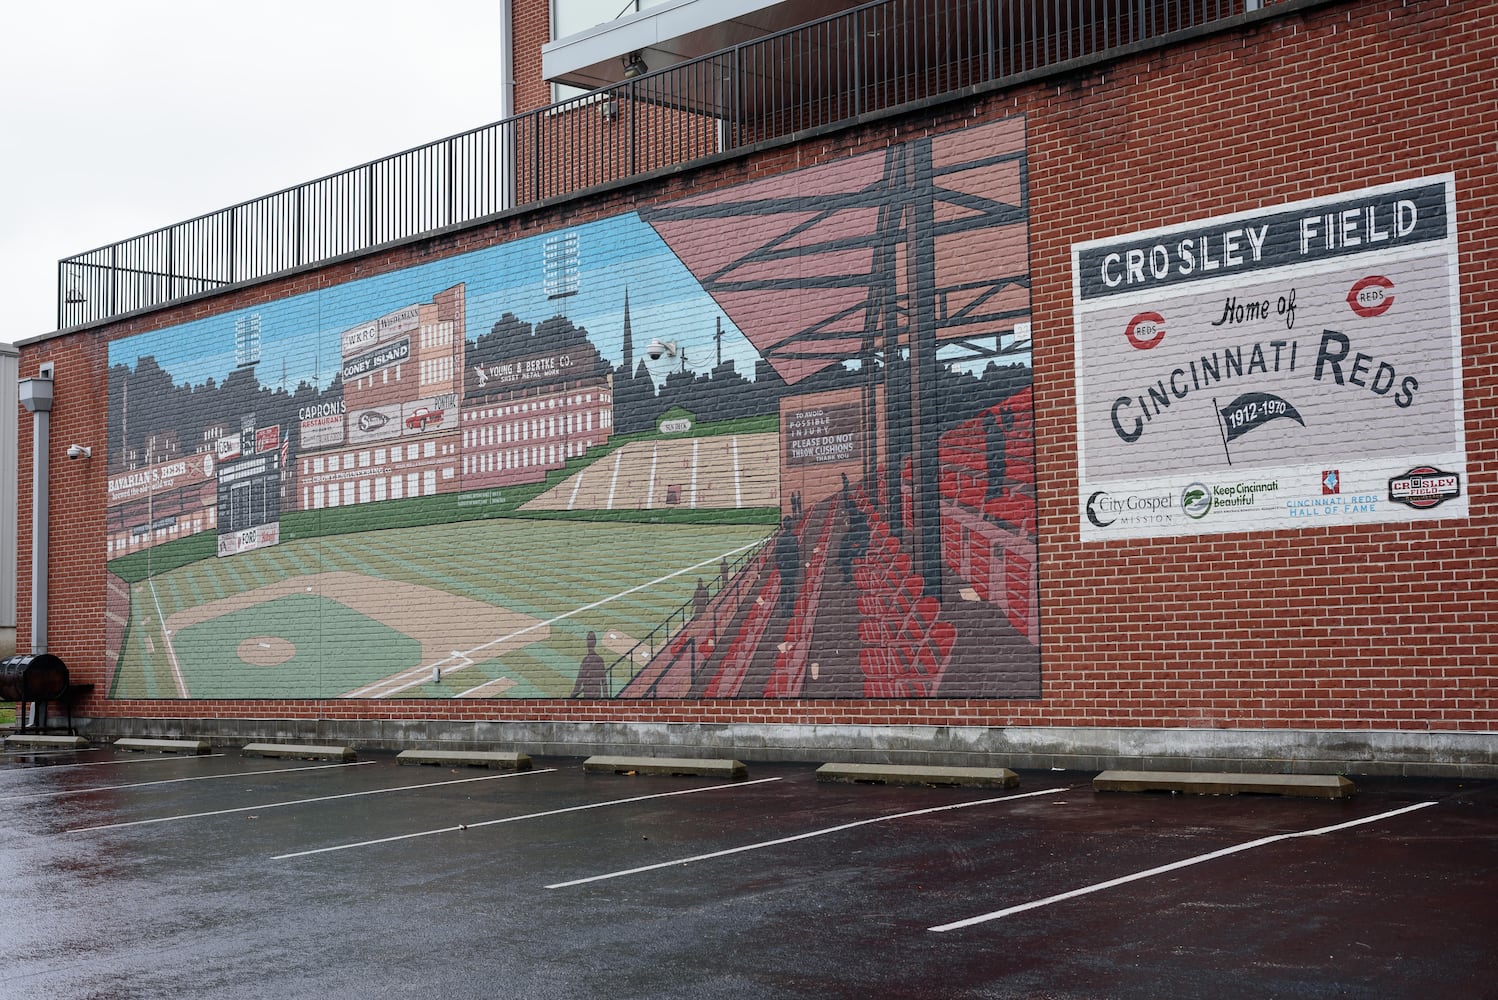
(299, 336)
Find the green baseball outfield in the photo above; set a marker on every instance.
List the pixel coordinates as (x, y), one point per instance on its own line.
(489, 608)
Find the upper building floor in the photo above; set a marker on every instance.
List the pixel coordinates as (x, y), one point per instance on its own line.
(603, 92)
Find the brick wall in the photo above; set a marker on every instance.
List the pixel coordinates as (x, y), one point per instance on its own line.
(1379, 626)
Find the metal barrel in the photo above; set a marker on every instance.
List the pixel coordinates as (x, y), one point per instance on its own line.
(33, 677)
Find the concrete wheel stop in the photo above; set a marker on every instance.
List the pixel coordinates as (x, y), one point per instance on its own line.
(705, 767)
(919, 774)
(1317, 786)
(298, 751)
(52, 742)
(162, 746)
(498, 759)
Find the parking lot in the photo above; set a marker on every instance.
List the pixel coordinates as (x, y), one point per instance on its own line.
(130, 875)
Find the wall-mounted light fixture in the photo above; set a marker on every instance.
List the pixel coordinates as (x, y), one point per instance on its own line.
(634, 65)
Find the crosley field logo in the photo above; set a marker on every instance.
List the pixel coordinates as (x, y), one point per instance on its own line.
(1424, 487)
(1371, 296)
(1145, 330)
(1196, 500)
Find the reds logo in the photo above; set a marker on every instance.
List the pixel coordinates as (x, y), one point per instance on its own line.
(1371, 296)
(1145, 330)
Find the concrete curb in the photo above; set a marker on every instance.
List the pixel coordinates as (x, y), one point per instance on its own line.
(1388, 753)
(1317, 786)
(685, 766)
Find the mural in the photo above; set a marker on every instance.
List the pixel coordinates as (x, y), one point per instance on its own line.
(775, 441)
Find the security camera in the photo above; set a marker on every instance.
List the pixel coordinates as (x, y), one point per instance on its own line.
(79, 451)
(656, 349)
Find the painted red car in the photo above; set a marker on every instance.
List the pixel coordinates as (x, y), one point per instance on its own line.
(421, 416)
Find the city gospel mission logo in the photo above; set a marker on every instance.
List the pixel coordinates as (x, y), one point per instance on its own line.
(1160, 507)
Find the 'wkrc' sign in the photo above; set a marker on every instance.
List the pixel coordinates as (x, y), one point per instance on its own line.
(367, 335)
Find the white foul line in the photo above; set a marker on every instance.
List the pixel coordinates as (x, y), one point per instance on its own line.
(516, 819)
(166, 634)
(1173, 866)
(800, 836)
(587, 607)
(300, 802)
(173, 781)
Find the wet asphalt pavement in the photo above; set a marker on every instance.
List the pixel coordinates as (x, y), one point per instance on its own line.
(142, 876)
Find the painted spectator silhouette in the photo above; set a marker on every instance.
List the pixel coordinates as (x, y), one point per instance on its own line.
(855, 539)
(700, 598)
(723, 571)
(996, 429)
(788, 562)
(591, 678)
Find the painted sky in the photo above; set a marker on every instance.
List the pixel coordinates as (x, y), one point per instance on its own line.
(299, 336)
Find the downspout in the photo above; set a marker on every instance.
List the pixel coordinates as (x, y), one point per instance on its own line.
(36, 396)
(10, 398)
(507, 103)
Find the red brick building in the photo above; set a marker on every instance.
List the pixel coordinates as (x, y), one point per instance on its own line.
(1232, 224)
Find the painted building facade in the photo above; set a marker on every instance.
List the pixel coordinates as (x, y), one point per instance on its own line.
(1072, 408)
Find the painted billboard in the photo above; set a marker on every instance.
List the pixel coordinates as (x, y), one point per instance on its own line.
(629, 459)
(1290, 367)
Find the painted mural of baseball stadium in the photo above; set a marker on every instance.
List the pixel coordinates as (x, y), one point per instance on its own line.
(773, 441)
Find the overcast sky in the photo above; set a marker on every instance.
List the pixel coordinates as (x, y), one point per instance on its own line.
(121, 117)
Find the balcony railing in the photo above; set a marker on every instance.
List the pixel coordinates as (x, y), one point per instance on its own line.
(871, 59)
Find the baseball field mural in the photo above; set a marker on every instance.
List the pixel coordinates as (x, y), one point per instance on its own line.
(772, 441)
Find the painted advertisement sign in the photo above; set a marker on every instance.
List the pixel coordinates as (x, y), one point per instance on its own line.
(372, 361)
(822, 434)
(1295, 366)
(189, 471)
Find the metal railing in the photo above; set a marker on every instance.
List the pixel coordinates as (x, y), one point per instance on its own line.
(730, 579)
(867, 60)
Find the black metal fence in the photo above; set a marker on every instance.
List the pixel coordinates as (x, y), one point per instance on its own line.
(863, 61)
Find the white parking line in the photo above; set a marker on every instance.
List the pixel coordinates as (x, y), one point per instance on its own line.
(517, 819)
(1173, 866)
(802, 836)
(38, 752)
(173, 781)
(302, 802)
(163, 759)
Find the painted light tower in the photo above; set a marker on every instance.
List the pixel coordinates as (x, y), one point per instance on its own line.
(559, 262)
